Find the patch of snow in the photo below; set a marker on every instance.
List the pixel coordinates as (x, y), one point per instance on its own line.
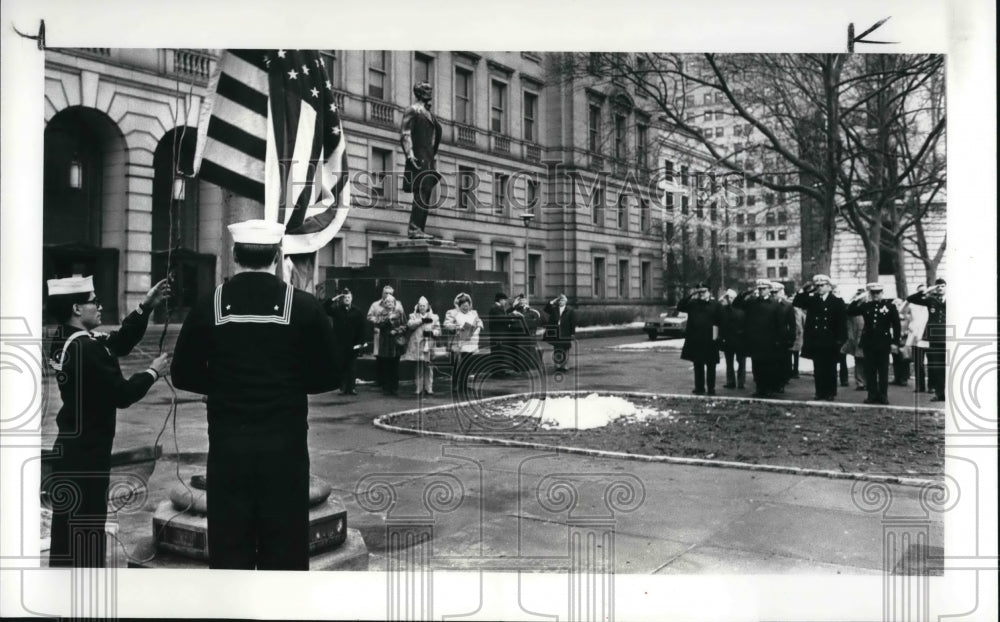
(573, 413)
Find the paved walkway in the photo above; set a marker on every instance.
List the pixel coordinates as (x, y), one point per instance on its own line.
(505, 508)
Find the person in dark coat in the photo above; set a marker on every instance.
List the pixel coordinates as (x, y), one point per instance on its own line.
(560, 329)
(420, 137)
(701, 337)
(824, 333)
(349, 335)
(732, 340)
(392, 343)
(257, 349)
(498, 325)
(92, 389)
(935, 332)
(787, 332)
(524, 322)
(879, 337)
(765, 336)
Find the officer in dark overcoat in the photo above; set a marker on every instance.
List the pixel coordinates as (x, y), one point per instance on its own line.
(498, 331)
(732, 340)
(349, 335)
(935, 333)
(765, 334)
(824, 333)
(879, 337)
(92, 388)
(257, 348)
(701, 337)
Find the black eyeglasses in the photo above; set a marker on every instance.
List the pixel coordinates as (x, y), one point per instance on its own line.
(96, 302)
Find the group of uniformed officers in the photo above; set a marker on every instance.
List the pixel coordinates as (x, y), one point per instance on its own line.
(764, 325)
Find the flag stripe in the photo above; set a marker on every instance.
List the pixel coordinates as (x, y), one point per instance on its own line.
(236, 91)
(234, 182)
(231, 135)
(253, 57)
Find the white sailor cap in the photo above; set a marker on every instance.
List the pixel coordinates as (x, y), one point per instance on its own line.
(257, 232)
(875, 287)
(731, 293)
(776, 285)
(821, 279)
(762, 283)
(71, 285)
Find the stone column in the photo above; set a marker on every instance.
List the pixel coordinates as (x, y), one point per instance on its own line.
(135, 261)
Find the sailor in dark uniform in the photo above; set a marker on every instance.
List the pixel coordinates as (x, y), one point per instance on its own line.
(879, 337)
(256, 349)
(824, 333)
(92, 388)
(766, 332)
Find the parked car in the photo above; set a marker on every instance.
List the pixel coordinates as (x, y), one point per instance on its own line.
(671, 323)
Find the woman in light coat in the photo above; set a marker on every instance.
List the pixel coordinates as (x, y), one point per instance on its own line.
(425, 328)
(463, 326)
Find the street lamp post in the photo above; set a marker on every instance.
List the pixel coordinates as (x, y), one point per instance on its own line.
(722, 266)
(527, 216)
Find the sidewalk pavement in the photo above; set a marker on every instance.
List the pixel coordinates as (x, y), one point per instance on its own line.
(507, 508)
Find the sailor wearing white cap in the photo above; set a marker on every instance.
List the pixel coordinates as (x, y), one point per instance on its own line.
(824, 333)
(879, 337)
(257, 348)
(92, 388)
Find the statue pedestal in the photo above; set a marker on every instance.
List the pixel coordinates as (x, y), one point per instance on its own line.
(435, 269)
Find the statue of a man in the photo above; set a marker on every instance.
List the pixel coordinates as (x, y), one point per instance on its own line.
(420, 137)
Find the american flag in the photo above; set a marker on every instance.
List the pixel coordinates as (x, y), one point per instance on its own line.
(271, 131)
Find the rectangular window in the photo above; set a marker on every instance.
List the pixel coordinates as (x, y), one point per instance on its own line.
(684, 175)
(668, 171)
(699, 237)
(719, 115)
(689, 100)
(646, 279)
(752, 254)
(684, 204)
(719, 98)
(708, 116)
(782, 253)
(770, 253)
(619, 137)
(530, 116)
(643, 215)
(597, 206)
(423, 68)
(739, 236)
(782, 217)
(668, 201)
(720, 132)
(752, 272)
(594, 128)
(501, 263)
(699, 209)
(739, 220)
(623, 212)
(534, 275)
(623, 278)
(463, 96)
(751, 236)
(751, 200)
(670, 231)
(706, 99)
(769, 235)
(740, 254)
(671, 262)
(599, 277)
(771, 272)
(330, 64)
(466, 188)
(498, 106)
(783, 271)
(782, 234)
(378, 74)
(381, 164)
(750, 219)
(533, 194)
(641, 132)
(500, 183)
(769, 218)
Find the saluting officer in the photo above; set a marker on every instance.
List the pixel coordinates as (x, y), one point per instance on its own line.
(92, 388)
(256, 349)
(824, 333)
(765, 334)
(934, 334)
(879, 337)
